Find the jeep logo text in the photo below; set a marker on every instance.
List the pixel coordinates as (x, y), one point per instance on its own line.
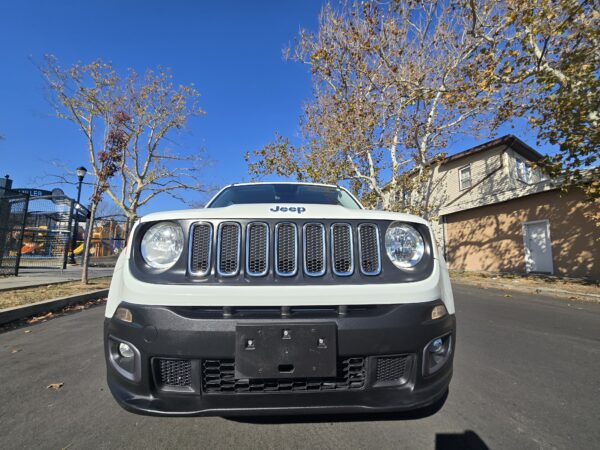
(298, 209)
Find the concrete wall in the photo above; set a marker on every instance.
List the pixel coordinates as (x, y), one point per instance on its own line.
(490, 238)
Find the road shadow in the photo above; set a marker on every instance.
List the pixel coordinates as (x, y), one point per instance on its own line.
(417, 414)
(469, 440)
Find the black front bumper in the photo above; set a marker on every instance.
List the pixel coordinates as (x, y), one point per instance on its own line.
(201, 337)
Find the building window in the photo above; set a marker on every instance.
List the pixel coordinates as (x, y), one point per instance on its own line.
(464, 177)
(523, 171)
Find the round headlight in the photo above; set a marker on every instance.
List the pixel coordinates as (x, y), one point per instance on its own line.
(162, 245)
(404, 245)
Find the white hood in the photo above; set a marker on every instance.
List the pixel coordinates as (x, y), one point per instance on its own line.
(282, 211)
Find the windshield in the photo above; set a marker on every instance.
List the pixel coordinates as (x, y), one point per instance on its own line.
(284, 193)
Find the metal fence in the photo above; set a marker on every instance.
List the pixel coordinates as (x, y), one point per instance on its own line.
(109, 235)
(48, 230)
(13, 212)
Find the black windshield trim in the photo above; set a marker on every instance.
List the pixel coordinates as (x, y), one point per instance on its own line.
(322, 186)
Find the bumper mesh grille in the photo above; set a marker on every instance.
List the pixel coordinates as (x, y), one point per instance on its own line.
(229, 248)
(257, 249)
(314, 249)
(370, 261)
(218, 376)
(201, 248)
(391, 368)
(175, 372)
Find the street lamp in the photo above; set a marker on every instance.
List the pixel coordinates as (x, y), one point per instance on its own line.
(80, 171)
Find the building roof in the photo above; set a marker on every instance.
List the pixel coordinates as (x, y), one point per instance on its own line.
(509, 140)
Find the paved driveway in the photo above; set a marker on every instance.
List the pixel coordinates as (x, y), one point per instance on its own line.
(527, 375)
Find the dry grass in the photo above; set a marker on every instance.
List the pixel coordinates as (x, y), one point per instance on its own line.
(20, 297)
(530, 281)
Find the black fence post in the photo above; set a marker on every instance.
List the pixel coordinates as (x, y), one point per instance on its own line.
(21, 235)
(69, 234)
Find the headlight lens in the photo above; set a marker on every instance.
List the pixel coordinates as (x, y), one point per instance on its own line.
(404, 245)
(162, 245)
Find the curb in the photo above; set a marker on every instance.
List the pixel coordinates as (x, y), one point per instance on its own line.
(21, 312)
(48, 283)
(532, 290)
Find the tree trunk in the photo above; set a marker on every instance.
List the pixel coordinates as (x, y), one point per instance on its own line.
(88, 240)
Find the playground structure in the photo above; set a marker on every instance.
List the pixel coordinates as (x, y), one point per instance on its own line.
(39, 229)
(108, 238)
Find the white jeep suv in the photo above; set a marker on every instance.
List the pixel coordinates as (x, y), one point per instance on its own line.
(279, 298)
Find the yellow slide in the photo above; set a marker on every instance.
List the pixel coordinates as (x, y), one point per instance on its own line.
(79, 249)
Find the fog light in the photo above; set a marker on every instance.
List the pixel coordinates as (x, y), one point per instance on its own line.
(124, 314)
(125, 350)
(437, 347)
(436, 354)
(438, 312)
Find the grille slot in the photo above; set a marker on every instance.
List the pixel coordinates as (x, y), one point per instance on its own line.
(201, 249)
(314, 249)
(342, 250)
(368, 249)
(257, 249)
(228, 249)
(286, 249)
(392, 369)
(175, 373)
(218, 377)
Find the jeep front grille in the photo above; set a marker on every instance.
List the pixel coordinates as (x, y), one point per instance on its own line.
(228, 249)
(257, 249)
(314, 249)
(342, 251)
(201, 248)
(368, 249)
(284, 249)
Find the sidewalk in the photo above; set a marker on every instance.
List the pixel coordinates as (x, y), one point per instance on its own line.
(557, 287)
(40, 277)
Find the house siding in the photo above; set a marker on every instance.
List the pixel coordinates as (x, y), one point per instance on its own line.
(490, 238)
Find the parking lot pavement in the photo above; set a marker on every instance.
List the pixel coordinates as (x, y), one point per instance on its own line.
(526, 376)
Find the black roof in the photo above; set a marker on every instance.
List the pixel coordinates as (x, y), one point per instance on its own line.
(509, 140)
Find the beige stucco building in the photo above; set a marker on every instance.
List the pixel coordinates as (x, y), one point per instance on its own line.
(496, 212)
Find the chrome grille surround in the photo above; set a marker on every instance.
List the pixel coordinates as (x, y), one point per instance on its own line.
(257, 249)
(314, 249)
(229, 239)
(342, 249)
(368, 249)
(285, 232)
(200, 251)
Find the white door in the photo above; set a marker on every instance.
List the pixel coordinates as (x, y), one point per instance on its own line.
(538, 249)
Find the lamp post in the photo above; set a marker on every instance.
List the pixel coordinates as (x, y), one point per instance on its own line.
(81, 171)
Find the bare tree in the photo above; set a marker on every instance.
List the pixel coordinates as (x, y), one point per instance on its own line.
(394, 84)
(108, 162)
(157, 109)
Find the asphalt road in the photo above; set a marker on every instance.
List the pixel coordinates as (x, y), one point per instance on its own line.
(527, 375)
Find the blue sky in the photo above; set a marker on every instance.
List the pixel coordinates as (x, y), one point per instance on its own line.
(231, 51)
